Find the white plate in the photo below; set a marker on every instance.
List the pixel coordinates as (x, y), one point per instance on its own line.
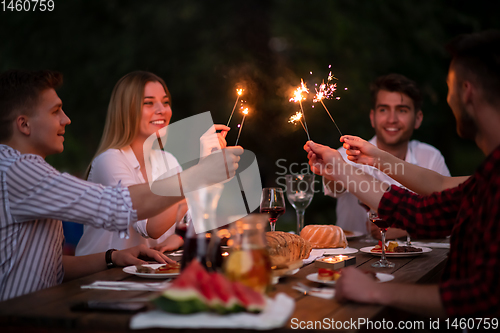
(392, 254)
(176, 253)
(381, 276)
(133, 270)
(354, 234)
(347, 250)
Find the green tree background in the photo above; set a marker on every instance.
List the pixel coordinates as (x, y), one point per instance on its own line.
(203, 49)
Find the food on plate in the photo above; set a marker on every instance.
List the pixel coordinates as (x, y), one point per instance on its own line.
(324, 236)
(163, 269)
(284, 247)
(394, 247)
(169, 268)
(326, 274)
(196, 290)
(406, 248)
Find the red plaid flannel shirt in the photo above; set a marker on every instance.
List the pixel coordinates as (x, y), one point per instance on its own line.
(470, 285)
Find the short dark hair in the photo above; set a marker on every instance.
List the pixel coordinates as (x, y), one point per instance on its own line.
(19, 92)
(477, 58)
(396, 83)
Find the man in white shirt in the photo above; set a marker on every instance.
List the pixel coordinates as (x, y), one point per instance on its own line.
(395, 114)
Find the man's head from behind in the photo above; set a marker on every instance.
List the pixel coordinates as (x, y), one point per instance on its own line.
(396, 109)
(31, 110)
(473, 77)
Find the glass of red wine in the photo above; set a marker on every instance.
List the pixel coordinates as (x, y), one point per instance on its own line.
(272, 202)
(383, 226)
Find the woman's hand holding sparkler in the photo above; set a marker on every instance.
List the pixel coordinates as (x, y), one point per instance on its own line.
(361, 151)
(211, 140)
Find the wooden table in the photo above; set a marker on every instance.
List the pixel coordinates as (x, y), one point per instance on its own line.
(49, 309)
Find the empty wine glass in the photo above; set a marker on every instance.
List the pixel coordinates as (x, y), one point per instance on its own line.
(300, 192)
(368, 237)
(383, 225)
(272, 202)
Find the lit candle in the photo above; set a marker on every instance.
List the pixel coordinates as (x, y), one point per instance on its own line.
(341, 257)
(225, 254)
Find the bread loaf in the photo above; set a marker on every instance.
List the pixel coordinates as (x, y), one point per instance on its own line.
(284, 247)
(324, 236)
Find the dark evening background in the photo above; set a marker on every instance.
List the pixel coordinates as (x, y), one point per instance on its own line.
(204, 49)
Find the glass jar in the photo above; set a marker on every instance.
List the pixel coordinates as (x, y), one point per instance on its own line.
(248, 261)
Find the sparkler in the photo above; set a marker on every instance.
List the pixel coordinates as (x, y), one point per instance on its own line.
(245, 112)
(298, 97)
(298, 117)
(239, 92)
(326, 91)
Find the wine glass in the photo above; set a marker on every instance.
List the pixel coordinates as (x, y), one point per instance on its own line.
(383, 225)
(300, 192)
(368, 237)
(272, 202)
(408, 239)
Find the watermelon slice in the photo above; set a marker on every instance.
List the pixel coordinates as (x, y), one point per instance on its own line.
(224, 289)
(195, 290)
(184, 295)
(249, 298)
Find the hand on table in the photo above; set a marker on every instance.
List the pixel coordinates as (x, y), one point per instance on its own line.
(173, 242)
(131, 256)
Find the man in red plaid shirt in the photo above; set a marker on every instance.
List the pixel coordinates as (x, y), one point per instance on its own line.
(470, 213)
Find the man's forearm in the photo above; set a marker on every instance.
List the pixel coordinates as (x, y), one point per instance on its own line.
(78, 266)
(365, 187)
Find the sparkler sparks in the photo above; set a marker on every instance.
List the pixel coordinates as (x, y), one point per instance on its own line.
(245, 112)
(239, 92)
(299, 97)
(298, 117)
(326, 91)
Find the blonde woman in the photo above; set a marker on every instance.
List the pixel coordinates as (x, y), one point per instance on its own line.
(139, 106)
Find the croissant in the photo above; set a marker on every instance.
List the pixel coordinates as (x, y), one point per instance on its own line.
(284, 247)
(324, 236)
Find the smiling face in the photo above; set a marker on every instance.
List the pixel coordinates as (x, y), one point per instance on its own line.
(394, 118)
(47, 125)
(156, 111)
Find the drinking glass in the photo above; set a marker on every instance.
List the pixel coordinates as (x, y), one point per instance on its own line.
(248, 262)
(368, 237)
(300, 192)
(383, 225)
(408, 239)
(272, 202)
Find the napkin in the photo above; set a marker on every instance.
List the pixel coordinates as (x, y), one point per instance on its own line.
(315, 254)
(125, 285)
(431, 244)
(325, 293)
(276, 314)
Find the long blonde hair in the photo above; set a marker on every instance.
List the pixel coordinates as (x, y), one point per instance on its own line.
(125, 111)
